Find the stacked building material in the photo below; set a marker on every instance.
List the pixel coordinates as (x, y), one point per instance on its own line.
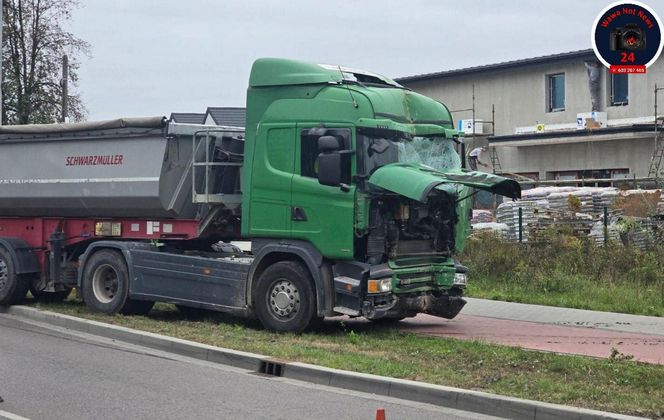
(542, 193)
(579, 224)
(508, 213)
(559, 201)
(585, 195)
(482, 216)
(631, 214)
(500, 228)
(641, 234)
(597, 232)
(658, 229)
(604, 197)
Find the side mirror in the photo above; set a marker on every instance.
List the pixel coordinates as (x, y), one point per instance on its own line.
(329, 168)
(328, 144)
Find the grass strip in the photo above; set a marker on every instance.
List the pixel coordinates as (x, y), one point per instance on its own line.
(563, 270)
(616, 384)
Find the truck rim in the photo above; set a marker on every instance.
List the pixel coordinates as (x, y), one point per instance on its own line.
(3, 274)
(105, 283)
(284, 299)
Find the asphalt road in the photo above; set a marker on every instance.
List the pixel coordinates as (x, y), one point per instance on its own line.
(51, 373)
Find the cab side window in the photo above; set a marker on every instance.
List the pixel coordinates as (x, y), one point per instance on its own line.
(309, 155)
(309, 150)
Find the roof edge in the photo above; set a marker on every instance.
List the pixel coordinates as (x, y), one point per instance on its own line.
(498, 66)
(633, 128)
(223, 107)
(146, 122)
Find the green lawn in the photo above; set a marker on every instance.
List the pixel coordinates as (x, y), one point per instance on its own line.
(574, 292)
(616, 384)
(565, 271)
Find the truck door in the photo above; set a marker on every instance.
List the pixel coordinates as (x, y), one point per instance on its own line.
(274, 158)
(321, 214)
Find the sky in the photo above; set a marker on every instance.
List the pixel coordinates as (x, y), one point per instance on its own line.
(152, 57)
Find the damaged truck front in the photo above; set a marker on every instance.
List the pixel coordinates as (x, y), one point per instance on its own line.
(413, 204)
(395, 204)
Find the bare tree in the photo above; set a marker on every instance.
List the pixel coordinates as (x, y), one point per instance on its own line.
(34, 41)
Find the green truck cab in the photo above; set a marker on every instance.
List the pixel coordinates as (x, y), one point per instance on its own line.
(365, 174)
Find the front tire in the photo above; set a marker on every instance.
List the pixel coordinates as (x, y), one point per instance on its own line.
(13, 287)
(285, 298)
(106, 285)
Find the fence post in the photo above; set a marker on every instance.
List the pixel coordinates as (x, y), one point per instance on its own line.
(520, 224)
(606, 225)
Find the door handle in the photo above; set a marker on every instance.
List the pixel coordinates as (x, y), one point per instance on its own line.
(298, 214)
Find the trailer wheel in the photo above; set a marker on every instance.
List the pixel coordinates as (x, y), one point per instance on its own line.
(285, 299)
(13, 287)
(106, 285)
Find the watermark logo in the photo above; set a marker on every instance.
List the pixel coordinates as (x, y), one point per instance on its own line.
(627, 37)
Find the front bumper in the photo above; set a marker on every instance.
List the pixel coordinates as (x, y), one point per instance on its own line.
(445, 306)
(434, 289)
(427, 277)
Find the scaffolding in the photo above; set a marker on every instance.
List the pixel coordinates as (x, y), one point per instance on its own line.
(493, 155)
(655, 168)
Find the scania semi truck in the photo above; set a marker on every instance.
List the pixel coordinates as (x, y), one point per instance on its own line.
(345, 194)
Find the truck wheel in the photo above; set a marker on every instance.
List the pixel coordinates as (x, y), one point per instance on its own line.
(285, 299)
(106, 285)
(13, 287)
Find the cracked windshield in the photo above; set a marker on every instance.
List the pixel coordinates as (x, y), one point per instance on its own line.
(436, 152)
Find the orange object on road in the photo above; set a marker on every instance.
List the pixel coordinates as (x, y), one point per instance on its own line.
(380, 414)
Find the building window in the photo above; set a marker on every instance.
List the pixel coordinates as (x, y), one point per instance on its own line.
(556, 92)
(619, 89)
(620, 173)
(565, 175)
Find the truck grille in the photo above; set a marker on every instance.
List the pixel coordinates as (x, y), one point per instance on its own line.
(413, 280)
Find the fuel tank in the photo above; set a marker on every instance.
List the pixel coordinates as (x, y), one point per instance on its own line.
(133, 167)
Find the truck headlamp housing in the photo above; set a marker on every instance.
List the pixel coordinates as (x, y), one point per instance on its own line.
(460, 280)
(379, 286)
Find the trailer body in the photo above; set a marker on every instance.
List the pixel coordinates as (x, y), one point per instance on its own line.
(349, 187)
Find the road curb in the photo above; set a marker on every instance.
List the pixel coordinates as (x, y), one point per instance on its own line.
(461, 399)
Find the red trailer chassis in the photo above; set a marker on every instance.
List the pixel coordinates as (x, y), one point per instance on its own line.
(50, 235)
